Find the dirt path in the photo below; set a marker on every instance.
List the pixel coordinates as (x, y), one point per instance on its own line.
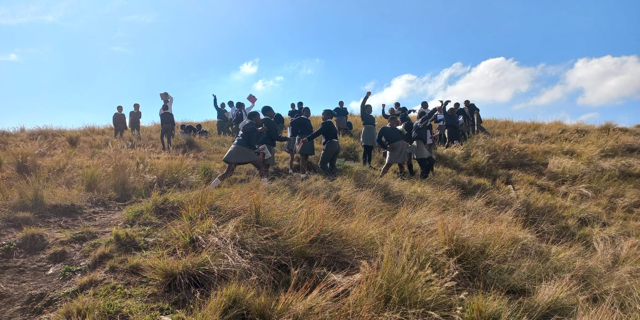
(31, 284)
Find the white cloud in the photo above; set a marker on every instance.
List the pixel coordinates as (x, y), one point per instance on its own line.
(493, 80)
(305, 67)
(263, 85)
(369, 86)
(141, 18)
(120, 49)
(31, 13)
(601, 81)
(249, 67)
(590, 117)
(9, 57)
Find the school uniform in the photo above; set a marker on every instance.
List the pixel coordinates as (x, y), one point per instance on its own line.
(473, 109)
(341, 117)
(279, 120)
(393, 138)
(222, 124)
(119, 124)
(134, 121)
(331, 147)
(301, 128)
(269, 138)
(167, 124)
(243, 149)
(421, 140)
(368, 136)
(290, 147)
(170, 104)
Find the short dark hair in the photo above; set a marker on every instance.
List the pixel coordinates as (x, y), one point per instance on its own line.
(182, 126)
(230, 103)
(329, 113)
(198, 126)
(118, 107)
(253, 114)
(306, 109)
(396, 104)
(136, 104)
(457, 104)
(266, 109)
(392, 118)
(300, 103)
(424, 103)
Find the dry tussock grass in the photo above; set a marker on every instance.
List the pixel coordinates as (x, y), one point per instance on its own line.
(537, 221)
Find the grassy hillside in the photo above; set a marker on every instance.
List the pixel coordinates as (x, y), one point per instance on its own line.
(538, 221)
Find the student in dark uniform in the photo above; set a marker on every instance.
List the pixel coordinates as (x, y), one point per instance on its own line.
(451, 123)
(421, 139)
(463, 122)
(119, 123)
(167, 124)
(134, 120)
(368, 136)
(290, 147)
(279, 120)
(201, 131)
(331, 147)
(238, 117)
(342, 117)
(221, 115)
(407, 129)
(392, 112)
(472, 110)
(243, 149)
(391, 139)
(301, 128)
(269, 138)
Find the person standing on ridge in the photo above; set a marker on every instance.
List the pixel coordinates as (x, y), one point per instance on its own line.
(119, 123)
(368, 136)
(134, 120)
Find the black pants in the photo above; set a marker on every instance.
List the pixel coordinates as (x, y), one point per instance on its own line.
(135, 130)
(223, 127)
(367, 155)
(426, 166)
(118, 132)
(329, 157)
(167, 131)
(453, 134)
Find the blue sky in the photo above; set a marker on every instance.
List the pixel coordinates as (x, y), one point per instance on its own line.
(68, 63)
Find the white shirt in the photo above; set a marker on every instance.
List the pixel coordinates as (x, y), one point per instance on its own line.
(170, 104)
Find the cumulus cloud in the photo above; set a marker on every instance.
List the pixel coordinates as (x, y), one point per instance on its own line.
(249, 67)
(590, 117)
(493, 80)
(264, 85)
(600, 81)
(305, 67)
(9, 57)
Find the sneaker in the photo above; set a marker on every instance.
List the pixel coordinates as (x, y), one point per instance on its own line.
(290, 171)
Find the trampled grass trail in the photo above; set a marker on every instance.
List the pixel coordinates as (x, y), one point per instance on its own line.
(536, 221)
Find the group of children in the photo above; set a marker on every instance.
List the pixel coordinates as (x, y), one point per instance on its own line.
(402, 140)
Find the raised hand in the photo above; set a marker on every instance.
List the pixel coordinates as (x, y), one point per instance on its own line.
(383, 106)
(368, 94)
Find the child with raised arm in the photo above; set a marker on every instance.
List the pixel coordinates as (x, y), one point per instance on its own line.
(167, 99)
(368, 136)
(331, 147)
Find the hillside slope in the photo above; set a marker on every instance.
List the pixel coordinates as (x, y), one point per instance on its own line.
(537, 221)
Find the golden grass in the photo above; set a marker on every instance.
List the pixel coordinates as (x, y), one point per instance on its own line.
(537, 221)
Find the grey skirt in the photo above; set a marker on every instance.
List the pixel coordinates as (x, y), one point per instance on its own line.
(272, 160)
(307, 148)
(341, 122)
(368, 137)
(291, 145)
(240, 155)
(420, 150)
(398, 153)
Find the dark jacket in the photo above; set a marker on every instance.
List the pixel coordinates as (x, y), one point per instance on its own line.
(421, 129)
(294, 113)
(167, 118)
(134, 118)
(367, 119)
(301, 126)
(119, 120)
(221, 113)
(327, 130)
(272, 134)
(341, 112)
(248, 136)
(388, 135)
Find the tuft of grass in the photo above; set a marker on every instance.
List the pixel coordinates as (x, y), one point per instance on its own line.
(30, 197)
(25, 161)
(89, 281)
(100, 256)
(57, 255)
(16, 219)
(73, 140)
(182, 275)
(32, 240)
(81, 236)
(121, 184)
(125, 240)
(91, 179)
